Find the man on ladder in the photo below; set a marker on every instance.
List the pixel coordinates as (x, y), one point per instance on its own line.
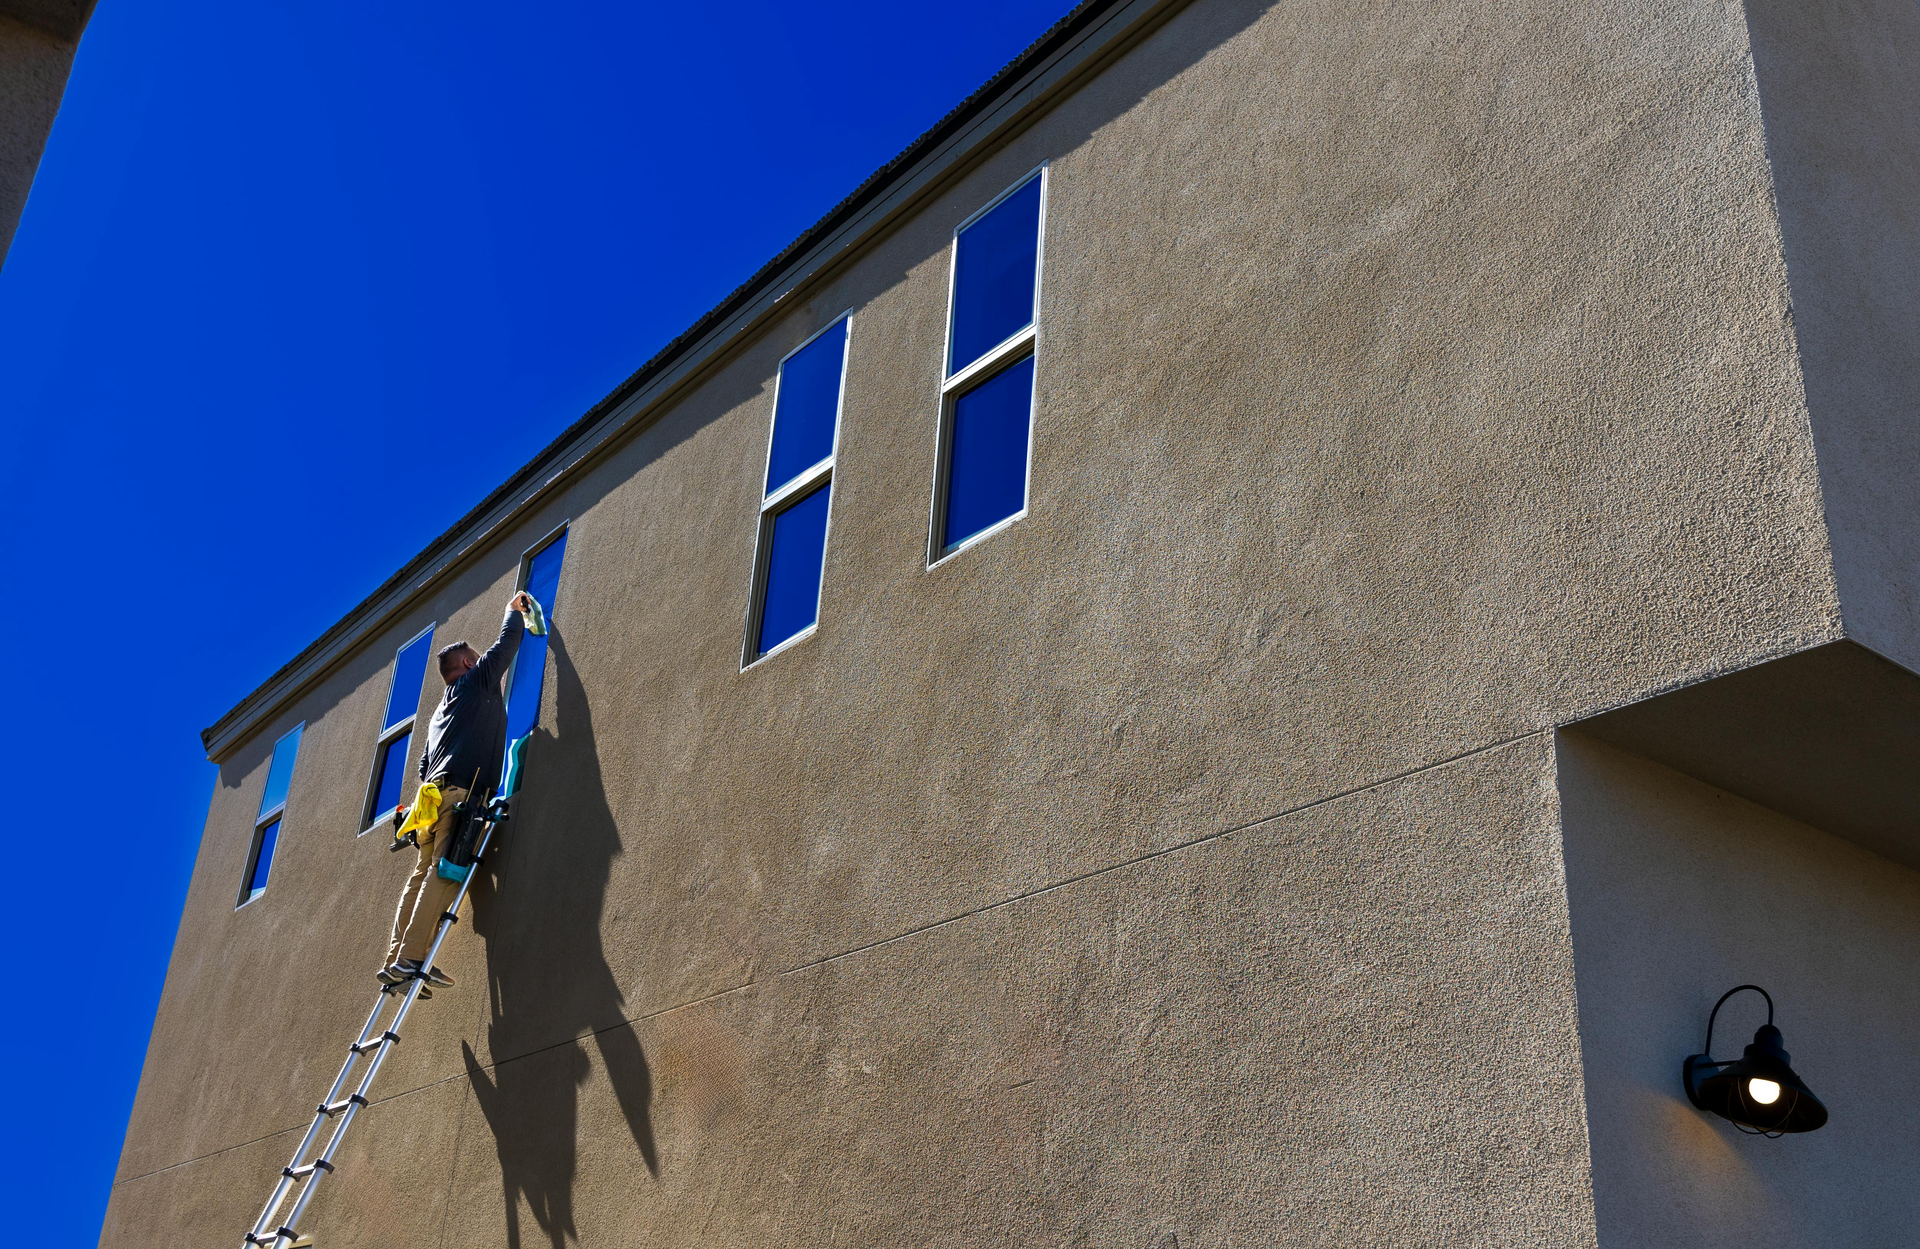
(466, 749)
(465, 744)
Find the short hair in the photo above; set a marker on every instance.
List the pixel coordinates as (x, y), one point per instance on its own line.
(448, 652)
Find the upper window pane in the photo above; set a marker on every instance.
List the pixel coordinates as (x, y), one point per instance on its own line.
(280, 775)
(807, 404)
(995, 266)
(530, 665)
(987, 463)
(409, 672)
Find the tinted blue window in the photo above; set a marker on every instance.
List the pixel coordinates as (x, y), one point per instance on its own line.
(530, 666)
(409, 672)
(987, 463)
(808, 403)
(280, 775)
(793, 569)
(393, 773)
(263, 861)
(993, 276)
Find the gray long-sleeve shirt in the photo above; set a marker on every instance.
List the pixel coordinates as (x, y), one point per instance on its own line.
(468, 735)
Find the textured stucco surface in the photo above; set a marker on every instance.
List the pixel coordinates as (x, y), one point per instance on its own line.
(1678, 892)
(33, 77)
(1168, 1047)
(1410, 380)
(1840, 92)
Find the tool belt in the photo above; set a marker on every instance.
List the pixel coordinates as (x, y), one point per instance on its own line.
(470, 817)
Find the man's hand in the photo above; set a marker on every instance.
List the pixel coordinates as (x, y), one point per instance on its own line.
(520, 602)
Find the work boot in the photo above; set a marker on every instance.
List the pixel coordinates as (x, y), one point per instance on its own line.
(409, 969)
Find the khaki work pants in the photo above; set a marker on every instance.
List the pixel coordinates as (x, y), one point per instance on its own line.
(427, 896)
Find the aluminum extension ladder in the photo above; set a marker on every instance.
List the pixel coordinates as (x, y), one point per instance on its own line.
(305, 1172)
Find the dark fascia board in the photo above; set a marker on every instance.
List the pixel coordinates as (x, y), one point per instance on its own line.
(1828, 736)
(63, 19)
(1078, 46)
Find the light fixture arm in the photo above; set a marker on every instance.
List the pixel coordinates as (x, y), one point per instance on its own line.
(1707, 1049)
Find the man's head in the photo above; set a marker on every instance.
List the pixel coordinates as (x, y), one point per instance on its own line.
(456, 660)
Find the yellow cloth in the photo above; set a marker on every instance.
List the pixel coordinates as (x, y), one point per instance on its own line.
(420, 816)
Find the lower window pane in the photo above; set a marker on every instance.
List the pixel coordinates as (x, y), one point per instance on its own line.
(793, 570)
(987, 460)
(263, 861)
(393, 771)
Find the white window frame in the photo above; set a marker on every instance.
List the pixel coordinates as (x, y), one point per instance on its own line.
(771, 505)
(521, 581)
(387, 734)
(265, 818)
(994, 361)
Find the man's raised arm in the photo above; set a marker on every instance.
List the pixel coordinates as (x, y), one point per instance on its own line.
(493, 664)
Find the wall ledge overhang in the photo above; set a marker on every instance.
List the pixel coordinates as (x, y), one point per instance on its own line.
(1078, 46)
(1829, 736)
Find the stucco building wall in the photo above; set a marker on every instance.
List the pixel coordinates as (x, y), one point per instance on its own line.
(1678, 892)
(1841, 99)
(1181, 859)
(1167, 1047)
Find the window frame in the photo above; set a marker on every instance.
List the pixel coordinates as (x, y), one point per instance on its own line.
(266, 817)
(997, 359)
(772, 504)
(521, 580)
(370, 819)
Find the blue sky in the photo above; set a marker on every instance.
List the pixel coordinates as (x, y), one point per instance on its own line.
(274, 253)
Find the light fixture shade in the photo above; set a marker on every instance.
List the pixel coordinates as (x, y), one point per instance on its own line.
(1727, 1088)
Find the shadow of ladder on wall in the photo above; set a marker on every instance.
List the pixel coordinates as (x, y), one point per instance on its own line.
(301, 1177)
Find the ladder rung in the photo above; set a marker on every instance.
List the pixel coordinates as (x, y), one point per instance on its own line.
(376, 1043)
(352, 1100)
(301, 1173)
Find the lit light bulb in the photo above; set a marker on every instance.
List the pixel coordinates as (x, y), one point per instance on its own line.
(1766, 1092)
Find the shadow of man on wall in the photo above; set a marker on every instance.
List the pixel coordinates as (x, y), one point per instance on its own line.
(548, 980)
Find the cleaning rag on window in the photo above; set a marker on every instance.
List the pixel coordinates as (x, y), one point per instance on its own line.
(534, 618)
(425, 810)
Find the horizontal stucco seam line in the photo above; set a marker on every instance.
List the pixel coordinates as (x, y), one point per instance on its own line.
(922, 930)
(289, 1131)
(1049, 81)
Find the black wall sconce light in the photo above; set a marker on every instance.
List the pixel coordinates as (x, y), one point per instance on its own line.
(1757, 1092)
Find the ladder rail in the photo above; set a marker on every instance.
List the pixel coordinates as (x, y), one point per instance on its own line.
(320, 1116)
(285, 1233)
(311, 1181)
